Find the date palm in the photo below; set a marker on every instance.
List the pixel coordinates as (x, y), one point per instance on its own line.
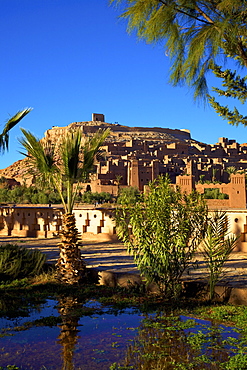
(11, 122)
(64, 167)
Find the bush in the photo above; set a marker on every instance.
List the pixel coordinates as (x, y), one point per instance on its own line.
(163, 231)
(18, 262)
(129, 195)
(91, 198)
(217, 246)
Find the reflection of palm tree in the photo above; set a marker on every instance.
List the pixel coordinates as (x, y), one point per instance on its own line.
(69, 332)
(76, 160)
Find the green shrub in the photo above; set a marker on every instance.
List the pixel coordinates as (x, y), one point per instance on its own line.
(162, 231)
(217, 245)
(129, 195)
(19, 262)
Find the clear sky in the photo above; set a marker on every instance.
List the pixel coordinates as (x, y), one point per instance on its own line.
(68, 59)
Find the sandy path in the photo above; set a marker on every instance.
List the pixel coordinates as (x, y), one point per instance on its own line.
(114, 257)
(105, 256)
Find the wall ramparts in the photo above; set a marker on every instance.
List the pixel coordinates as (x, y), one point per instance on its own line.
(94, 223)
(235, 189)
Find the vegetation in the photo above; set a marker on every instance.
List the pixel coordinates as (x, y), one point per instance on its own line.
(17, 262)
(198, 37)
(11, 122)
(36, 195)
(128, 195)
(29, 195)
(163, 232)
(214, 194)
(234, 86)
(217, 245)
(76, 159)
(95, 198)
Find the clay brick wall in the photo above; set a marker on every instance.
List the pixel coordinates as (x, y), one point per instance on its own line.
(45, 222)
(38, 221)
(236, 191)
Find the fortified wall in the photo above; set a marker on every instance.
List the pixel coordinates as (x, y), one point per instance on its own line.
(235, 190)
(44, 221)
(95, 224)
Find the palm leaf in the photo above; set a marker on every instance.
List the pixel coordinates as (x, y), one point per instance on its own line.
(41, 156)
(91, 149)
(4, 136)
(78, 160)
(70, 154)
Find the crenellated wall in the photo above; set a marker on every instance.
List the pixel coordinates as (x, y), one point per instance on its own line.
(22, 220)
(235, 189)
(44, 221)
(95, 224)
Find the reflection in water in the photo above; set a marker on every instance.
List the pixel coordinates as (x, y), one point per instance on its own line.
(67, 308)
(33, 340)
(167, 343)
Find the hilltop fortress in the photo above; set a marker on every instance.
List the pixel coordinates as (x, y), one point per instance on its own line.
(136, 155)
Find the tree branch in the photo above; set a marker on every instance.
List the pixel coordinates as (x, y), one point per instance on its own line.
(185, 13)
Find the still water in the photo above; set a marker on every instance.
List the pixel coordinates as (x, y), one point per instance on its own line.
(87, 342)
(57, 335)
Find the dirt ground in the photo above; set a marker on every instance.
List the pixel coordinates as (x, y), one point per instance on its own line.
(104, 256)
(113, 257)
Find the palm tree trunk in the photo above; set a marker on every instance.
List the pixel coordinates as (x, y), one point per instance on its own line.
(70, 266)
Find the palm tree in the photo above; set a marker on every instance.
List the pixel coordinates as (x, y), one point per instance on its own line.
(4, 136)
(76, 159)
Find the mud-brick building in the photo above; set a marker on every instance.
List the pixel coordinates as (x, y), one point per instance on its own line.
(97, 223)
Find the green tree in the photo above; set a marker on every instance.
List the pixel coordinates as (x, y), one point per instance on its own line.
(234, 86)
(76, 161)
(198, 36)
(128, 195)
(162, 231)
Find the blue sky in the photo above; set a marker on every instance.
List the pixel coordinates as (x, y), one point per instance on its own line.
(69, 58)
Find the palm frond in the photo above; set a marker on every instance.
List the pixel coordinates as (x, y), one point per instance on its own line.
(41, 156)
(4, 136)
(70, 154)
(91, 149)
